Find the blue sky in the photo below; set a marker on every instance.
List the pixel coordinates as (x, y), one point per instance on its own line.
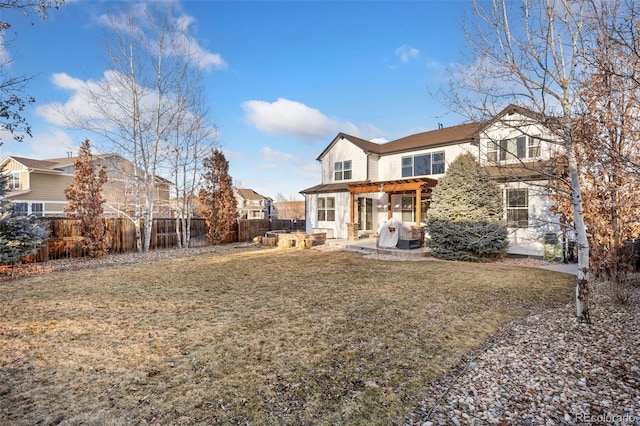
(284, 77)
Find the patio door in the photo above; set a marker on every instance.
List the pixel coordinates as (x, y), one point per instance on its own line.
(365, 207)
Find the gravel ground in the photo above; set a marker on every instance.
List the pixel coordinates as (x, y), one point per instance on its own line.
(548, 369)
(545, 369)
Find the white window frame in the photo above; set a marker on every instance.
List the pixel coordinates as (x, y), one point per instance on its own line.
(14, 180)
(534, 147)
(513, 204)
(39, 212)
(326, 209)
(342, 170)
(492, 152)
(411, 168)
(407, 208)
(519, 148)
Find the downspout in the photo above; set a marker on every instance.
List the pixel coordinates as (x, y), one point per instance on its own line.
(368, 155)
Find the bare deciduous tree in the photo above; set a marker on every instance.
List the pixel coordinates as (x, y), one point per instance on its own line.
(139, 106)
(608, 141)
(192, 139)
(531, 54)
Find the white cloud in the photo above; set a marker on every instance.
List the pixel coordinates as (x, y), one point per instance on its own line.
(272, 155)
(286, 117)
(406, 53)
(278, 160)
(187, 47)
(233, 155)
(379, 140)
(5, 57)
(180, 43)
(88, 100)
(101, 105)
(53, 143)
(295, 119)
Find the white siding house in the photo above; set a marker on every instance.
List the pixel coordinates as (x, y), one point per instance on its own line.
(364, 184)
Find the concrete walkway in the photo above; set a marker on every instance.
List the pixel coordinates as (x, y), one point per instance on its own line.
(368, 245)
(568, 268)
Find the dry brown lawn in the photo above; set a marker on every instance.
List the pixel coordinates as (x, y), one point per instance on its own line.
(250, 337)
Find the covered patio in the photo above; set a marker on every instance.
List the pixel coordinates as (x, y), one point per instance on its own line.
(420, 187)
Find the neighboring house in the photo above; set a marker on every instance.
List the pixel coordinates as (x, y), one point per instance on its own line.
(364, 184)
(37, 186)
(252, 205)
(289, 209)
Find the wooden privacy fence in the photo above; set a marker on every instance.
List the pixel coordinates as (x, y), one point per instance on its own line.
(247, 230)
(65, 239)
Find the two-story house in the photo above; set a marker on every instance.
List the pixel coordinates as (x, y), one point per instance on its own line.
(252, 205)
(364, 184)
(37, 186)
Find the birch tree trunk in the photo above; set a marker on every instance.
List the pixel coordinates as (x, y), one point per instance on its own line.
(150, 91)
(530, 54)
(582, 282)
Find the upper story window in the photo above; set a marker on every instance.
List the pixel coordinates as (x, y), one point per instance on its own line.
(522, 147)
(342, 170)
(533, 147)
(14, 180)
(423, 164)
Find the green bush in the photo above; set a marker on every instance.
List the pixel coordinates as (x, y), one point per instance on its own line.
(465, 218)
(470, 241)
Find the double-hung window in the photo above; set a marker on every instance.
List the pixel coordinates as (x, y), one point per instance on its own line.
(14, 180)
(342, 170)
(492, 151)
(21, 209)
(522, 147)
(533, 147)
(423, 164)
(517, 208)
(37, 209)
(326, 209)
(437, 163)
(407, 209)
(513, 148)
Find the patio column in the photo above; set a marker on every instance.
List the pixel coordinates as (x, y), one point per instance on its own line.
(353, 208)
(389, 213)
(418, 205)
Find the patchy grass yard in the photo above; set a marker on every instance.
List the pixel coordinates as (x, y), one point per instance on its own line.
(250, 336)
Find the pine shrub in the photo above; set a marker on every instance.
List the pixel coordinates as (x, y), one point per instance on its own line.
(465, 216)
(20, 235)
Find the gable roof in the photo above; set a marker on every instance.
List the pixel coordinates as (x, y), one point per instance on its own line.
(54, 165)
(70, 161)
(446, 136)
(461, 133)
(250, 194)
(30, 163)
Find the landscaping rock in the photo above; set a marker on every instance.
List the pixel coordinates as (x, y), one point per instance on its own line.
(548, 369)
